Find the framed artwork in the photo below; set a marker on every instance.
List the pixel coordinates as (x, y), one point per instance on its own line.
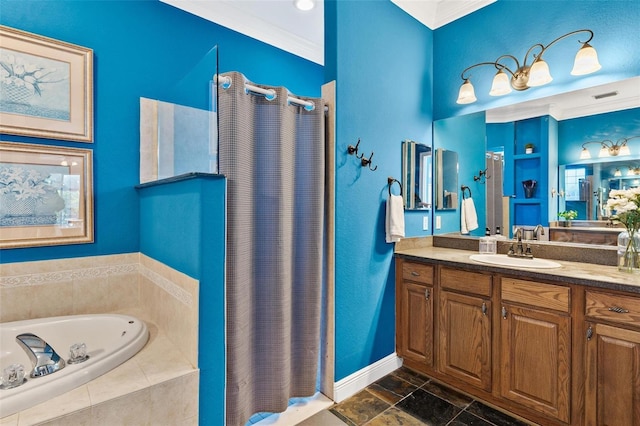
(46, 195)
(46, 87)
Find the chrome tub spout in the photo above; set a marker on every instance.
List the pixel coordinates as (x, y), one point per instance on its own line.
(43, 358)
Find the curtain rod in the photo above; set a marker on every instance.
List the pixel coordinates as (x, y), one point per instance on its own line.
(269, 94)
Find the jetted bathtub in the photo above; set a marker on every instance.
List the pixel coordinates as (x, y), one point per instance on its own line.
(110, 340)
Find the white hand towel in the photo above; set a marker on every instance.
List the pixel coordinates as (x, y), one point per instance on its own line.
(468, 216)
(394, 221)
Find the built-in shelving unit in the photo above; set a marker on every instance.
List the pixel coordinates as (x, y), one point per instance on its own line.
(541, 166)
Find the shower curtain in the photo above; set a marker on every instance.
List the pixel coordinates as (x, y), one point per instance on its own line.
(272, 154)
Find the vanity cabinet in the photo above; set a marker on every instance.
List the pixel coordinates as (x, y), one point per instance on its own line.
(415, 323)
(612, 376)
(465, 327)
(535, 346)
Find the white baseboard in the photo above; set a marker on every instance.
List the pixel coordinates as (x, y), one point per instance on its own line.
(359, 380)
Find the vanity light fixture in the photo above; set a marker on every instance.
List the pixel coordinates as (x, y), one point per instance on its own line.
(608, 148)
(617, 173)
(525, 75)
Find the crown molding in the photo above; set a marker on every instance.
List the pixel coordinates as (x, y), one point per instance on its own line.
(436, 13)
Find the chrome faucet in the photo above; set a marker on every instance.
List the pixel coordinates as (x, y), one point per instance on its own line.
(43, 358)
(535, 231)
(519, 250)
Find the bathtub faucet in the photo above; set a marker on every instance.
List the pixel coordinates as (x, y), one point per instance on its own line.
(43, 358)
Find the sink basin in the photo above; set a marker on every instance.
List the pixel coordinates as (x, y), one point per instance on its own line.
(504, 260)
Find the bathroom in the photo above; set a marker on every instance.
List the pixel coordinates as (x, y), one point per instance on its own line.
(406, 90)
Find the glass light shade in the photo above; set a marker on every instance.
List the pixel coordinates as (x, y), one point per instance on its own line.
(304, 4)
(585, 154)
(617, 173)
(539, 74)
(624, 150)
(466, 95)
(501, 85)
(604, 151)
(586, 61)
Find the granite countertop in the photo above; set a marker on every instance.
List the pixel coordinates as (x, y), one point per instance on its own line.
(587, 274)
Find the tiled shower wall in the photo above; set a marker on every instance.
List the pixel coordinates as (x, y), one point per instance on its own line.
(102, 284)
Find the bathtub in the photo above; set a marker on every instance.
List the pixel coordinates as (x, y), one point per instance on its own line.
(110, 339)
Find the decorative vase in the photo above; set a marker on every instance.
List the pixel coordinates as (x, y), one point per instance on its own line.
(529, 188)
(629, 251)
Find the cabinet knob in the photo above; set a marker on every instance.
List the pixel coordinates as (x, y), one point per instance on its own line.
(618, 310)
(427, 293)
(504, 313)
(589, 333)
(484, 308)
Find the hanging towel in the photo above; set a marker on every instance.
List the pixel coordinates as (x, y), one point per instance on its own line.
(394, 222)
(468, 216)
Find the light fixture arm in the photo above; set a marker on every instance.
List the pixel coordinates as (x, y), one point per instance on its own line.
(545, 48)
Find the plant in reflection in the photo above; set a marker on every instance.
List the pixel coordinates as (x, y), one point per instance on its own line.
(624, 204)
(568, 214)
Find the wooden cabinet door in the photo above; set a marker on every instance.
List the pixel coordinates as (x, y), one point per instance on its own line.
(465, 338)
(416, 323)
(535, 351)
(612, 377)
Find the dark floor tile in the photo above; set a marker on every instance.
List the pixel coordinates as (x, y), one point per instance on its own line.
(395, 417)
(391, 388)
(494, 416)
(448, 394)
(410, 376)
(468, 419)
(429, 408)
(360, 408)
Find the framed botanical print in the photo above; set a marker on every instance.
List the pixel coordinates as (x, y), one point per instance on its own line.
(46, 87)
(46, 195)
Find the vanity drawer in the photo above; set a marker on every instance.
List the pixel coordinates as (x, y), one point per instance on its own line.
(465, 281)
(610, 307)
(536, 294)
(417, 272)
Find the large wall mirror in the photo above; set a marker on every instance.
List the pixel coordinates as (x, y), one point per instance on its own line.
(446, 179)
(417, 178)
(571, 190)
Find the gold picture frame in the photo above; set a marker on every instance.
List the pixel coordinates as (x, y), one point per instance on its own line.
(46, 195)
(46, 87)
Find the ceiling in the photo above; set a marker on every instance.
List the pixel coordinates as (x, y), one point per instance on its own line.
(280, 24)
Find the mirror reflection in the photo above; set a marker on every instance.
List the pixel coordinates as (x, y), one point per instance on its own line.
(416, 175)
(446, 179)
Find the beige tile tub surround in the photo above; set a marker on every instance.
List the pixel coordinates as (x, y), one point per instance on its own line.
(157, 386)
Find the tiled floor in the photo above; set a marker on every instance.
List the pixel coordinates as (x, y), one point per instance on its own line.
(407, 398)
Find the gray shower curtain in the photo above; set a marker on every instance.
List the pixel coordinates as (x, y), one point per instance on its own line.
(272, 155)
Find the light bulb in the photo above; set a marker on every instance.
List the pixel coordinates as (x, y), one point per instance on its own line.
(539, 74)
(586, 61)
(467, 94)
(304, 4)
(501, 85)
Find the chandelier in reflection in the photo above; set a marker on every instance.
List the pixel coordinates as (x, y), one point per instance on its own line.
(528, 75)
(608, 148)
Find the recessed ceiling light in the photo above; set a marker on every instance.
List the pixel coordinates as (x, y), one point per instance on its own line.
(304, 4)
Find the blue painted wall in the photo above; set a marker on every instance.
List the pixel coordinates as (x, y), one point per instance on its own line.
(182, 224)
(466, 136)
(512, 26)
(381, 60)
(613, 126)
(141, 49)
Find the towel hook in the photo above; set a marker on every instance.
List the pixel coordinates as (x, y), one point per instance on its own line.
(390, 181)
(479, 178)
(367, 163)
(353, 149)
(465, 188)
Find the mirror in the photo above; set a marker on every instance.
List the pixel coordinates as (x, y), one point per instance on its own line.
(623, 95)
(416, 175)
(446, 179)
